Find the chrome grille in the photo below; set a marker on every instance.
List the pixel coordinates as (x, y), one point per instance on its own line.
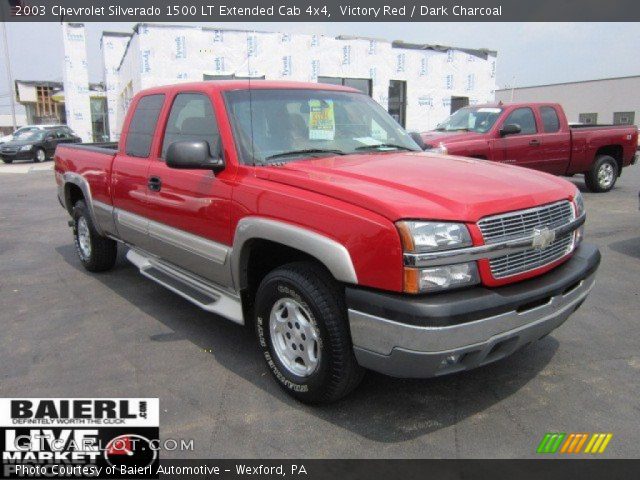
(521, 224)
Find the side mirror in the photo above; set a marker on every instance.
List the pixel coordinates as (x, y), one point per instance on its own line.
(511, 129)
(418, 139)
(194, 155)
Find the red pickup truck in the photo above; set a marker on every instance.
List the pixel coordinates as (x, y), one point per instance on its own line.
(537, 135)
(305, 211)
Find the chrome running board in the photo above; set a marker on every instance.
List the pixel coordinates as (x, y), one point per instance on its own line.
(198, 291)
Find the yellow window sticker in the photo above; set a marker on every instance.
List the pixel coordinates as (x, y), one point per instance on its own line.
(322, 121)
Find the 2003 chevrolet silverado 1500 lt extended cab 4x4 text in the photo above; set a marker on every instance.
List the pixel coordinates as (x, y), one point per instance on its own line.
(306, 211)
(537, 135)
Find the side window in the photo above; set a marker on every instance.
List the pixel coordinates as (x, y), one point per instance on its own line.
(191, 118)
(142, 126)
(524, 118)
(550, 121)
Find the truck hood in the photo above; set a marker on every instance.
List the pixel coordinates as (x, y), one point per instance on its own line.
(420, 185)
(434, 138)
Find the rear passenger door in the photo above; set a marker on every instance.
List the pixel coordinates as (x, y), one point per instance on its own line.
(555, 141)
(189, 210)
(129, 171)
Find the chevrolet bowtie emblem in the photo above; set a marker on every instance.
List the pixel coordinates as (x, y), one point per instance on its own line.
(542, 238)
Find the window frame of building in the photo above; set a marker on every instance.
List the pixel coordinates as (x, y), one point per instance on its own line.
(584, 118)
(545, 129)
(618, 115)
(344, 81)
(397, 104)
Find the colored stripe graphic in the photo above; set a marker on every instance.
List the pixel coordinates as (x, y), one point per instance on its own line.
(598, 443)
(572, 443)
(551, 442)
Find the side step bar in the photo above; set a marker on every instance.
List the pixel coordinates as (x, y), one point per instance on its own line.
(198, 291)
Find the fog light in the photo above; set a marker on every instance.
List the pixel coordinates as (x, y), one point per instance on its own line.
(449, 360)
(578, 236)
(440, 278)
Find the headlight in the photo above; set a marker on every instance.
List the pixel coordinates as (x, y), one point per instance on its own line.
(25, 148)
(444, 277)
(419, 237)
(441, 149)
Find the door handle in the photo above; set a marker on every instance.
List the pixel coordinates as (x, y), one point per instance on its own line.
(154, 184)
(534, 143)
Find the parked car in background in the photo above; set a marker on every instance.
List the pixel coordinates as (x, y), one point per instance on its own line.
(28, 129)
(36, 145)
(303, 210)
(537, 135)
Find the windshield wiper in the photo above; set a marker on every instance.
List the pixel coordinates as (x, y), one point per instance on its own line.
(384, 145)
(302, 152)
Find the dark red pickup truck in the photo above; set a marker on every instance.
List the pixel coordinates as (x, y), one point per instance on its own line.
(537, 135)
(304, 210)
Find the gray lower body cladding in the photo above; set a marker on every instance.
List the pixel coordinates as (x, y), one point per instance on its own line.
(439, 334)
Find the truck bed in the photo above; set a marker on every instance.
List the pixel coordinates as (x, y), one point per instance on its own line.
(100, 147)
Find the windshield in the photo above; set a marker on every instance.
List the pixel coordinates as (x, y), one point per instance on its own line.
(33, 136)
(275, 126)
(471, 119)
(24, 131)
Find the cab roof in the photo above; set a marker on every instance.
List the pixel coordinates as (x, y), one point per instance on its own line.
(226, 85)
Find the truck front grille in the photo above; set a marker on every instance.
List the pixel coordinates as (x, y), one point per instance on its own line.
(520, 224)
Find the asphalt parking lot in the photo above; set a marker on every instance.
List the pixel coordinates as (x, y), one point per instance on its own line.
(67, 333)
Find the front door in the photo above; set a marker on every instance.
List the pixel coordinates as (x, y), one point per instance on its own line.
(522, 149)
(189, 210)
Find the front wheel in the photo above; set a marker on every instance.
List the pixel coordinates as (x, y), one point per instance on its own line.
(97, 253)
(7, 160)
(40, 156)
(603, 174)
(303, 333)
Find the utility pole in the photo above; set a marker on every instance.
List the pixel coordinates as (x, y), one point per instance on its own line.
(9, 76)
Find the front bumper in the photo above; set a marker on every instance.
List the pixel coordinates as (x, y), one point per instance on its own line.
(438, 334)
(26, 155)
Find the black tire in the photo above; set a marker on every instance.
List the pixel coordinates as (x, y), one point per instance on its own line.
(102, 252)
(603, 174)
(337, 372)
(39, 155)
(7, 160)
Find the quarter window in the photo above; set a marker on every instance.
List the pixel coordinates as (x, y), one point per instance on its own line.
(191, 119)
(588, 118)
(623, 118)
(550, 121)
(524, 118)
(142, 126)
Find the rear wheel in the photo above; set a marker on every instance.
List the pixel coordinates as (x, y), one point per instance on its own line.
(97, 253)
(303, 333)
(40, 156)
(603, 174)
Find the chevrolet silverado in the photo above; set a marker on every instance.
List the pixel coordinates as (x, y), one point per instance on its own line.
(537, 135)
(308, 213)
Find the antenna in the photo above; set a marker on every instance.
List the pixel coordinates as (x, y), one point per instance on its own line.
(249, 53)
